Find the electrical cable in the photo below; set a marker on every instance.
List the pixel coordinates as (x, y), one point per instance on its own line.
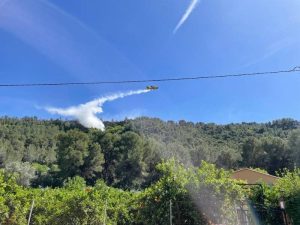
(295, 69)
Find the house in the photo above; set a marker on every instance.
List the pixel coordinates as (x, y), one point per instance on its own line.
(252, 176)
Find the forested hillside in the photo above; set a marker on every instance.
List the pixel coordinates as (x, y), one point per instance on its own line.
(47, 152)
(138, 170)
(271, 146)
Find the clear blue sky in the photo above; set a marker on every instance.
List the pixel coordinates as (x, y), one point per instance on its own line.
(67, 40)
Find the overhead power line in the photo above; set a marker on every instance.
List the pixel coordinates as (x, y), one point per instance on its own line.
(294, 69)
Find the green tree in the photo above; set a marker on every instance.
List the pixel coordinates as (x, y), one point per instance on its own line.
(93, 163)
(251, 153)
(277, 155)
(78, 156)
(198, 196)
(130, 166)
(270, 153)
(294, 146)
(24, 172)
(71, 152)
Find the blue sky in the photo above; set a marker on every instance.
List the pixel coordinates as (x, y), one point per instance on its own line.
(67, 40)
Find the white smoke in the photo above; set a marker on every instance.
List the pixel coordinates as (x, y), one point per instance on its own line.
(86, 113)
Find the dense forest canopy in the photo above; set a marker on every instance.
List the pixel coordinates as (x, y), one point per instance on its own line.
(135, 171)
(47, 152)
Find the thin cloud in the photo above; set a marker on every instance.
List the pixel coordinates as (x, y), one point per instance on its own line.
(271, 51)
(186, 15)
(86, 114)
(63, 39)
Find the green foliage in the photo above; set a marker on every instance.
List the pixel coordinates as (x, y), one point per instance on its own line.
(197, 196)
(294, 146)
(76, 203)
(76, 183)
(75, 173)
(23, 171)
(129, 158)
(270, 153)
(263, 145)
(71, 152)
(260, 170)
(286, 189)
(73, 204)
(215, 193)
(13, 205)
(125, 155)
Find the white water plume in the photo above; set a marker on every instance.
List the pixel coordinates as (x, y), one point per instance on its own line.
(86, 114)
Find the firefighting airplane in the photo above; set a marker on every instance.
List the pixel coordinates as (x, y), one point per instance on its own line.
(152, 88)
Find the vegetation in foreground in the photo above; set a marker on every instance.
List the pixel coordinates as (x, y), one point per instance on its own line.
(195, 195)
(130, 173)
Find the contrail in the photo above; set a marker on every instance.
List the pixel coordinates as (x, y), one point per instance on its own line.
(186, 15)
(85, 113)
